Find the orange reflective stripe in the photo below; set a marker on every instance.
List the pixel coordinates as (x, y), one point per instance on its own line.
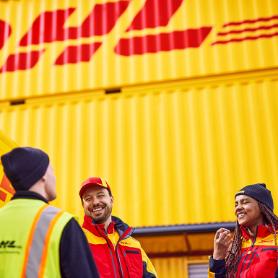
(28, 245)
(39, 240)
(46, 243)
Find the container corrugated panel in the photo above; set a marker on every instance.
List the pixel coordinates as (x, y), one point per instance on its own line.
(6, 190)
(181, 267)
(53, 47)
(172, 154)
(171, 267)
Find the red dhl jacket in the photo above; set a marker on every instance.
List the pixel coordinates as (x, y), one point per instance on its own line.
(116, 253)
(258, 259)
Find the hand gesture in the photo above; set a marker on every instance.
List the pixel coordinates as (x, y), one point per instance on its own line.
(222, 241)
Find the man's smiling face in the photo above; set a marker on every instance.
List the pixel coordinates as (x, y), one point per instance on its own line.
(97, 204)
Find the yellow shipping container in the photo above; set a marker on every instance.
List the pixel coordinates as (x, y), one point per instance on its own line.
(174, 102)
(6, 190)
(54, 47)
(173, 154)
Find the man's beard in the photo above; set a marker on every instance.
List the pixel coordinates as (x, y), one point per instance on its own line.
(102, 218)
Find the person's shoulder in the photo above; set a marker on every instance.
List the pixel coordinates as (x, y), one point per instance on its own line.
(58, 211)
(118, 221)
(131, 241)
(69, 215)
(120, 225)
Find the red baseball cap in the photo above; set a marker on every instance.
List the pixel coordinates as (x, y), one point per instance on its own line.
(93, 181)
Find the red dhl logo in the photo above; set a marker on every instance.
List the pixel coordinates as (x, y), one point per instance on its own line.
(48, 27)
(6, 190)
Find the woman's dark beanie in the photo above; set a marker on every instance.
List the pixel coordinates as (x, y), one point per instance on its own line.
(259, 192)
(24, 166)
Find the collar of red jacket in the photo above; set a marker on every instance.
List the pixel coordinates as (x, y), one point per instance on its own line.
(262, 231)
(98, 229)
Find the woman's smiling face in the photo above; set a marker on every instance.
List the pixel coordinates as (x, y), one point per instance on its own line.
(247, 211)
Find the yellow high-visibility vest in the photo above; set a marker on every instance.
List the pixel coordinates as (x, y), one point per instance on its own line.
(30, 236)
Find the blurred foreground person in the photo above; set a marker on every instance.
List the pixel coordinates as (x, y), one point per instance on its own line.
(116, 253)
(36, 239)
(252, 250)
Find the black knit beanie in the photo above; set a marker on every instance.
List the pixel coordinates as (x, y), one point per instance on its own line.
(259, 192)
(24, 166)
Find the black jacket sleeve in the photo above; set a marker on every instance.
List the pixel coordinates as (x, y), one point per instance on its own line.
(146, 273)
(217, 267)
(76, 259)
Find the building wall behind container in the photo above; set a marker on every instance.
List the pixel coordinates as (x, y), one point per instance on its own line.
(173, 154)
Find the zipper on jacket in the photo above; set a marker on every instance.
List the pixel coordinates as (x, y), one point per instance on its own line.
(116, 250)
(109, 243)
(113, 262)
(112, 257)
(249, 253)
(119, 261)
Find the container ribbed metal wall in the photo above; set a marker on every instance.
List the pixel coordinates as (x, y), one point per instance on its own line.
(196, 113)
(53, 47)
(5, 143)
(6, 191)
(180, 267)
(171, 267)
(173, 154)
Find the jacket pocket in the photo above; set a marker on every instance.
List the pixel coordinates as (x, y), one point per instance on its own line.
(134, 263)
(132, 252)
(270, 249)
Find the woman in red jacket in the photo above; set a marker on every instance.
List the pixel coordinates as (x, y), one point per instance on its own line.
(252, 251)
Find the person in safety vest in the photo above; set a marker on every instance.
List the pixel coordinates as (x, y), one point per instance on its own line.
(252, 252)
(116, 253)
(36, 239)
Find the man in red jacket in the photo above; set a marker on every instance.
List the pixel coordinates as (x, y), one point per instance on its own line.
(115, 252)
